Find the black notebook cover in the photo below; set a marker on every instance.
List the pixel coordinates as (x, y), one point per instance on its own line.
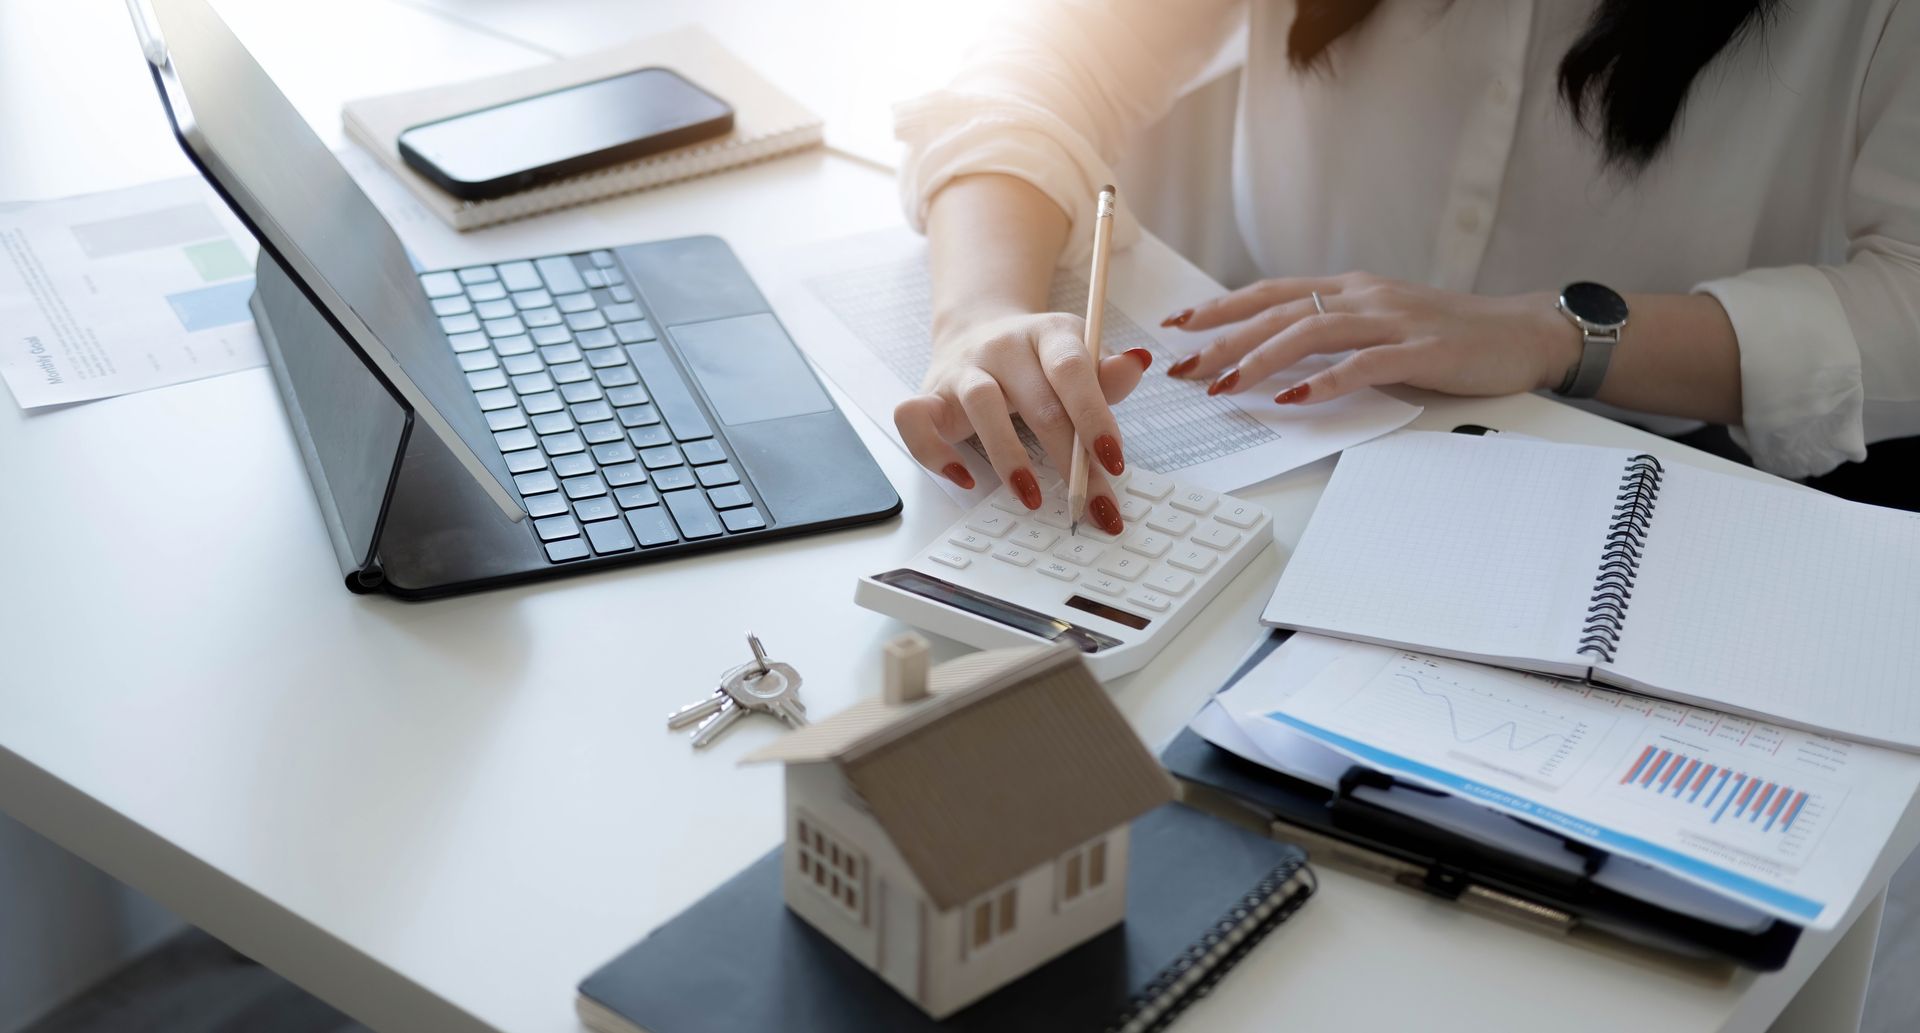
(739, 960)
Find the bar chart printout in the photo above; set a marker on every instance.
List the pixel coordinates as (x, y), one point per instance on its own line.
(1716, 788)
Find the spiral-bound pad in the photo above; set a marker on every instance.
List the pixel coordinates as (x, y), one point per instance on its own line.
(1620, 557)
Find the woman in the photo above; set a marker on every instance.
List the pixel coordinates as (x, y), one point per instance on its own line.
(1744, 173)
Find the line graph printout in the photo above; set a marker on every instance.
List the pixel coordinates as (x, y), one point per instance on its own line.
(861, 307)
(1786, 821)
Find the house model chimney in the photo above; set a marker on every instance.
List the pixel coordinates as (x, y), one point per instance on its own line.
(904, 663)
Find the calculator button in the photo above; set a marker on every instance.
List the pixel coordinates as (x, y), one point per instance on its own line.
(1149, 486)
(1080, 551)
(949, 557)
(1057, 569)
(993, 525)
(971, 542)
(1133, 510)
(1013, 554)
(1104, 584)
(1150, 600)
(1053, 512)
(1237, 513)
(609, 536)
(1148, 543)
(1006, 501)
(1195, 500)
(651, 526)
(1171, 521)
(1039, 539)
(1169, 582)
(738, 520)
(1191, 557)
(1216, 536)
(1124, 566)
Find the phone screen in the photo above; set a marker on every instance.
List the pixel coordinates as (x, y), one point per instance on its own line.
(553, 127)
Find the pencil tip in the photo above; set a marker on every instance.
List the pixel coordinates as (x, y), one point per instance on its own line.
(1073, 528)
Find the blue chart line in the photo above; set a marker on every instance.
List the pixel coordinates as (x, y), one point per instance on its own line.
(1669, 773)
(1453, 719)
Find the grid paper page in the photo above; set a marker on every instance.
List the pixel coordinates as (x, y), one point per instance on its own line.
(1167, 425)
(1472, 547)
(1779, 602)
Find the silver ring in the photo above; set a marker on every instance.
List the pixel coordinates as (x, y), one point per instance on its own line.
(1318, 305)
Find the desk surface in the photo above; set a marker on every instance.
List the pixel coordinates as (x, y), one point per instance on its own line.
(442, 816)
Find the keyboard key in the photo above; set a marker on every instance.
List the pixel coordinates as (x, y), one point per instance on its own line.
(478, 274)
(556, 354)
(573, 302)
(1058, 570)
(552, 423)
(539, 317)
(738, 520)
(464, 323)
(1198, 501)
(993, 525)
(519, 276)
(534, 298)
(620, 293)
(518, 344)
(601, 259)
(1013, 554)
(1123, 565)
(475, 361)
(563, 444)
(613, 452)
(526, 462)
(572, 373)
(1171, 521)
(1235, 513)
(732, 496)
(1133, 510)
(670, 393)
(582, 391)
(624, 473)
(532, 383)
(642, 416)
(566, 549)
(1192, 557)
(609, 536)
(515, 440)
(1150, 544)
(560, 275)
(545, 505)
(625, 312)
(603, 357)
(692, 512)
(1148, 599)
(593, 412)
(452, 306)
(486, 380)
(633, 496)
(594, 277)
(1079, 551)
(469, 342)
(1039, 539)
(545, 335)
(1216, 536)
(672, 478)
(518, 365)
(649, 436)
(601, 338)
(630, 395)
(537, 404)
(1148, 485)
(613, 274)
(949, 558)
(440, 285)
(584, 487)
(588, 320)
(658, 458)
(537, 483)
(634, 332)
(1168, 582)
(506, 419)
(717, 475)
(700, 453)
(555, 527)
(618, 376)
(579, 464)
(972, 541)
(500, 308)
(486, 292)
(651, 526)
(499, 398)
(1105, 584)
(602, 433)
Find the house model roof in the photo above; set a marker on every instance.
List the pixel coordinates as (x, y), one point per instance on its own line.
(1013, 757)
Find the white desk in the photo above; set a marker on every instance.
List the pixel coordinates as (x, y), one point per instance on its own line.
(442, 816)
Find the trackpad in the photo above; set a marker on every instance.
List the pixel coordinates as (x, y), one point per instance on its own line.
(750, 369)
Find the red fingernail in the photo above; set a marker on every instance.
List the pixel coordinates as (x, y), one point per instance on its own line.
(958, 474)
(1184, 366)
(1106, 514)
(1144, 357)
(1109, 452)
(1291, 395)
(1178, 318)
(1027, 488)
(1226, 382)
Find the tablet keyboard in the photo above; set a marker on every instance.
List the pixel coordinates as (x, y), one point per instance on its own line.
(609, 450)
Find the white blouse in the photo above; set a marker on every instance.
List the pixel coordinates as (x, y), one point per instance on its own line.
(1437, 149)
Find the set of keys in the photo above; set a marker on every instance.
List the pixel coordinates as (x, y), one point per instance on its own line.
(760, 684)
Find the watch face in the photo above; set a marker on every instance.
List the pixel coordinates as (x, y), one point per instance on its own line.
(1593, 303)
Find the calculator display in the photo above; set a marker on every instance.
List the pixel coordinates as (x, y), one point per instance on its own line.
(999, 611)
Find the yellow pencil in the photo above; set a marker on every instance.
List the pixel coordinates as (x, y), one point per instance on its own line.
(1096, 303)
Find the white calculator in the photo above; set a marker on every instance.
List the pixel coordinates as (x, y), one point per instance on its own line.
(1005, 575)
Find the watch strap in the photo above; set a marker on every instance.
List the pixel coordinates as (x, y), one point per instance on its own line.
(1596, 352)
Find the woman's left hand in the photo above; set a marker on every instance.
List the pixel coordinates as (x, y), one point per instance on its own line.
(1399, 333)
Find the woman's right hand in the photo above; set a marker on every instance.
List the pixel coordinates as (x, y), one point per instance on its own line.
(1036, 365)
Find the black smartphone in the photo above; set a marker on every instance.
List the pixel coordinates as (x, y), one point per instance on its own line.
(549, 136)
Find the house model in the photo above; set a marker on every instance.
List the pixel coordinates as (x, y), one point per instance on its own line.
(970, 824)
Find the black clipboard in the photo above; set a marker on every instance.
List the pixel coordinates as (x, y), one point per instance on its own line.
(1345, 831)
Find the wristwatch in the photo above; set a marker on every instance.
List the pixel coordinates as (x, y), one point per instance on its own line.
(1600, 313)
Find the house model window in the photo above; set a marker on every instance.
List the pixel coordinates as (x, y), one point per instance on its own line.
(1083, 871)
(834, 869)
(991, 918)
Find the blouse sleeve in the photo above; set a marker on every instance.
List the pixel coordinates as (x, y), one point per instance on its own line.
(1051, 97)
(1830, 355)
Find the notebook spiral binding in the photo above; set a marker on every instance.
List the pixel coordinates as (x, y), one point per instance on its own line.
(1620, 557)
(1209, 959)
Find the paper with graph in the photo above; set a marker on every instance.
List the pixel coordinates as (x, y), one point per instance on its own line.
(1786, 821)
(106, 294)
(861, 308)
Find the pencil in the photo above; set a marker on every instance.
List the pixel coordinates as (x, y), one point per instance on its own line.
(1096, 304)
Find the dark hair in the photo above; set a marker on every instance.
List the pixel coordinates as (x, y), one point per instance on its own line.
(1631, 68)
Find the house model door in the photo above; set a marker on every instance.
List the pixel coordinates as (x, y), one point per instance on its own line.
(902, 932)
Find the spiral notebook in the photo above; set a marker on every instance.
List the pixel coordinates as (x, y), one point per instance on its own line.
(1760, 597)
(1201, 894)
(767, 124)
